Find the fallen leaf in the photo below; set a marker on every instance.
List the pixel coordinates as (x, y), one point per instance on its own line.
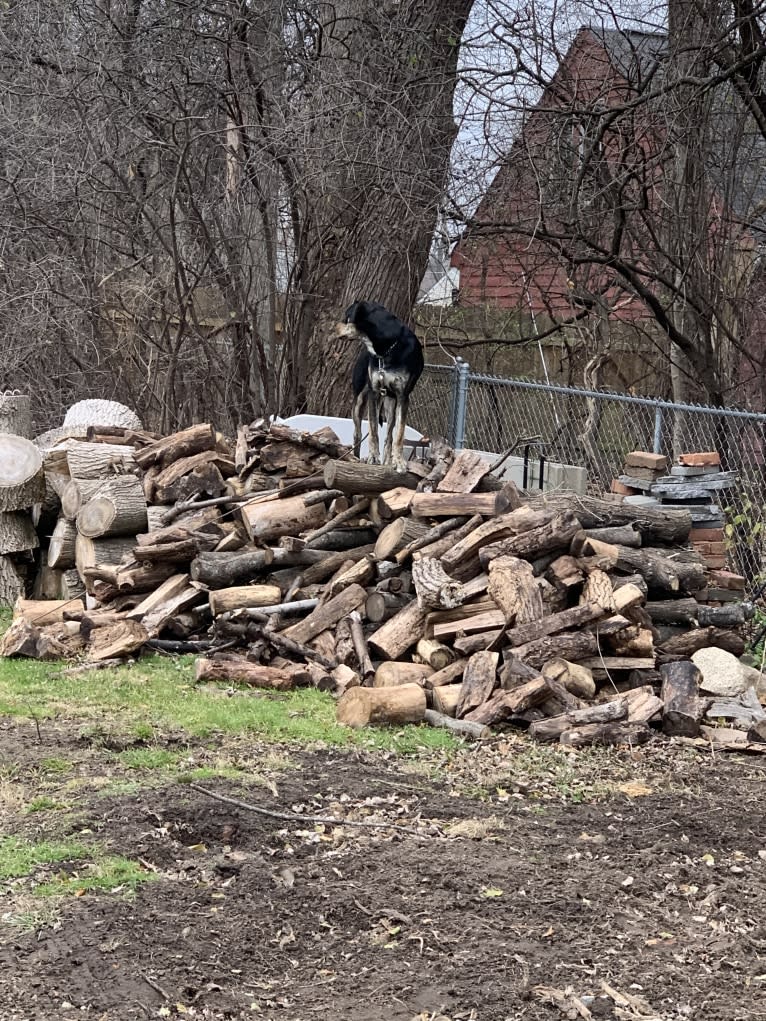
(635, 789)
(491, 891)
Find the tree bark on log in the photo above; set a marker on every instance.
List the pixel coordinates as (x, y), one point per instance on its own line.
(479, 680)
(655, 524)
(269, 519)
(435, 654)
(685, 645)
(403, 630)
(327, 615)
(447, 675)
(464, 728)
(222, 570)
(680, 693)
(576, 679)
(445, 698)
(225, 599)
(513, 586)
(361, 707)
(568, 645)
(397, 535)
(359, 479)
(434, 587)
(575, 617)
(99, 460)
(119, 508)
(689, 611)
(447, 505)
(510, 703)
(17, 533)
(503, 527)
(439, 539)
(552, 728)
(392, 673)
(550, 535)
(241, 671)
(181, 444)
(606, 734)
(116, 640)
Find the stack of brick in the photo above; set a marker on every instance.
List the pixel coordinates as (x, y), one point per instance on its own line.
(642, 470)
(696, 483)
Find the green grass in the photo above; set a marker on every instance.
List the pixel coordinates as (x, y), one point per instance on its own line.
(160, 694)
(149, 758)
(44, 804)
(93, 868)
(20, 858)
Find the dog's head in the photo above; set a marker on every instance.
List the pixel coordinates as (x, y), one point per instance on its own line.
(371, 324)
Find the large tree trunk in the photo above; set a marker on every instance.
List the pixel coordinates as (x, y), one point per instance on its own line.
(371, 228)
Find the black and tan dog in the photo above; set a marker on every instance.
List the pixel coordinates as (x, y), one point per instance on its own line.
(384, 376)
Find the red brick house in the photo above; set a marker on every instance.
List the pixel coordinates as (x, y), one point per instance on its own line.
(586, 180)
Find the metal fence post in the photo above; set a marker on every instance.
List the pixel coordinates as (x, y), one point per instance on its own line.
(459, 403)
(657, 449)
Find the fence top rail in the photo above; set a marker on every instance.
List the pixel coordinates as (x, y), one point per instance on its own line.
(656, 403)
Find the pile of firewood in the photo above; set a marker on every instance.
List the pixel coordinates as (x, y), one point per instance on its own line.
(440, 594)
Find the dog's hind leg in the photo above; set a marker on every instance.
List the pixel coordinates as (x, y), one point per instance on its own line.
(373, 442)
(357, 412)
(391, 406)
(396, 430)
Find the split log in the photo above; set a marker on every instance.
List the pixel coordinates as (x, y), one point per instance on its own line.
(435, 654)
(473, 618)
(464, 728)
(553, 534)
(90, 553)
(99, 460)
(359, 573)
(41, 643)
(366, 669)
(434, 587)
(606, 734)
(504, 704)
(467, 470)
(17, 533)
(598, 589)
(552, 729)
(328, 614)
(655, 524)
(574, 677)
(168, 609)
(513, 587)
(575, 645)
(502, 527)
(361, 707)
(174, 552)
(641, 644)
(324, 565)
(45, 611)
(366, 479)
(680, 694)
(627, 596)
(447, 675)
(395, 502)
(181, 444)
(479, 680)
(119, 508)
(602, 663)
(398, 634)
(575, 617)
(169, 588)
(642, 703)
(356, 510)
(393, 673)
(397, 535)
(22, 479)
(241, 671)
(266, 520)
(116, 640)
(343, 678)
(445, 698)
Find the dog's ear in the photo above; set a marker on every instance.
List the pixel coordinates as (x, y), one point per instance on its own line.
(351, 312)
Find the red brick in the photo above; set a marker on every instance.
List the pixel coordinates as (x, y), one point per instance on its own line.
(643, 459)
(728, 580)
(699, 458)
(715, 548)
(706, 535)
(617, 487)
(715, 562)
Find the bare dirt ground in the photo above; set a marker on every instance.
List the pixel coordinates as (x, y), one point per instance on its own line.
(493, 894)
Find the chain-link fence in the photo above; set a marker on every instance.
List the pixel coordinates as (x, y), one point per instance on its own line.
(594, 430)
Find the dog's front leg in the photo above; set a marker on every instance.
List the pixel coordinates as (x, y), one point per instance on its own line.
(356, 416)
(373, 443)
(397, 430)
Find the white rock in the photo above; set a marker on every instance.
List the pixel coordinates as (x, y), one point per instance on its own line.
(722, 673)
